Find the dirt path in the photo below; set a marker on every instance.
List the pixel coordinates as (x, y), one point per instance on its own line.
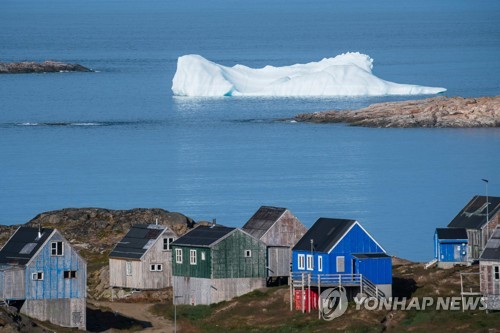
(140, 311)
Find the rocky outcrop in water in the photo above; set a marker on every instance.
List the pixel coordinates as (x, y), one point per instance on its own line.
(431, 112)
(40, 67)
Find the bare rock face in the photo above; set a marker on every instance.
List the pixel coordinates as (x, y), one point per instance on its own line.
(432, 112)
(40, 67)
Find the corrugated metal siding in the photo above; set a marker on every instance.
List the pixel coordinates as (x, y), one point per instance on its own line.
(202, 269)
(54, 285)
(229, 261)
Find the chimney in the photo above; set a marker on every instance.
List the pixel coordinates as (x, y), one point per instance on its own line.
(156, 221)
(214, 222)
(39, 231)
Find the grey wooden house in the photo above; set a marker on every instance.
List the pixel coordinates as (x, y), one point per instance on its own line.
(479, 217)
(143, 259)
(489, 271)
(214, 264)
(280, 230)
(42, 273)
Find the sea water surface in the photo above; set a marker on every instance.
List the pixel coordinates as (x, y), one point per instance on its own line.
(117, 138)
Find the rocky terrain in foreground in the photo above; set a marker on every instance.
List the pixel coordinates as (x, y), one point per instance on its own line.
(40, 67)
(432, 112)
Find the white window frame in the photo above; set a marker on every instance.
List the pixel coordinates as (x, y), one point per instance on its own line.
(128, 268)
(37, 276)
(178, 256)
(496, 273)
(320, 264)
(192, 257)
(248, 253)
(54, 251)
(337, 262)
(301, 262)
(203, 255)
(155, 267)
(168, 243)
(310, 262)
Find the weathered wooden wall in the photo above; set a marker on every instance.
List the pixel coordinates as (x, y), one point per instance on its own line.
(475, 243)
(285, 232)
(54, 285)
(195, 291)
(142, 277)
(202, 269)
(229, 261)
(278, 261)
(488, 285)
(66, 312)
(12, 283)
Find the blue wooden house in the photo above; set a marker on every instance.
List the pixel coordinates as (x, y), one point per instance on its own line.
(341, 252)
(451, 246)
(42, 273)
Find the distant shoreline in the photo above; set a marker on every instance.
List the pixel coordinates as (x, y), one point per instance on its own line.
(40, 67)
(452, 112)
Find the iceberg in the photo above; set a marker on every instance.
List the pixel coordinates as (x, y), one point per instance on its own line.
(348, 74)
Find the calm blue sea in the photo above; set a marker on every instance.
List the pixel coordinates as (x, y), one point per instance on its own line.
(119, 139)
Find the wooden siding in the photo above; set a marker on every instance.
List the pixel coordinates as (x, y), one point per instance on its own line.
(12, 284)
(278, 261)
(54, 285)
(229, 261)
(142, 277)
(195, 291)
(63, 312)
(285, 232)
(202, 269)
(488, 285)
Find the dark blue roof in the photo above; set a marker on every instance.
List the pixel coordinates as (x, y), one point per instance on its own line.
(452, 233)
(325, 233)
(23, 245)
(203, 236)
(473, 215)
(137, 241)
(370, 255)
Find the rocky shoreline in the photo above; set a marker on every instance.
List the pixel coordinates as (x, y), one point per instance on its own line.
(40, 67)
(432, 112)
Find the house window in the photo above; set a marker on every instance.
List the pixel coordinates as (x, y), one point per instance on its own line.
(496, 273)
(166, 243)
(37, 276)
(70, 274)
(128, 268)
(192, 257)
(56, 248)
(320, 264)
(156, 267)
(248, 253)
(310, 265)
(178, 256)
(202, 255)
(341, 264)
(301, 261)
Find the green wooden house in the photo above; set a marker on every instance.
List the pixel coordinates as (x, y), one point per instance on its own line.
(211, 264)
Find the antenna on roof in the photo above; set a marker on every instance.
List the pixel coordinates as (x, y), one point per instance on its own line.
(39, 231)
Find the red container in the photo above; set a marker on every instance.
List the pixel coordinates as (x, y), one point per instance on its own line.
(306, 295)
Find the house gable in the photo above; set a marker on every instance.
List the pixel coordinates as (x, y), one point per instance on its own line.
(56, 274)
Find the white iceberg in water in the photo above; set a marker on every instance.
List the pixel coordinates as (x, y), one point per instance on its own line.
(348, 74)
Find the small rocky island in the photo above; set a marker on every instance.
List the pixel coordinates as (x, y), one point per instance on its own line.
(40, 67)
(432, 112)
